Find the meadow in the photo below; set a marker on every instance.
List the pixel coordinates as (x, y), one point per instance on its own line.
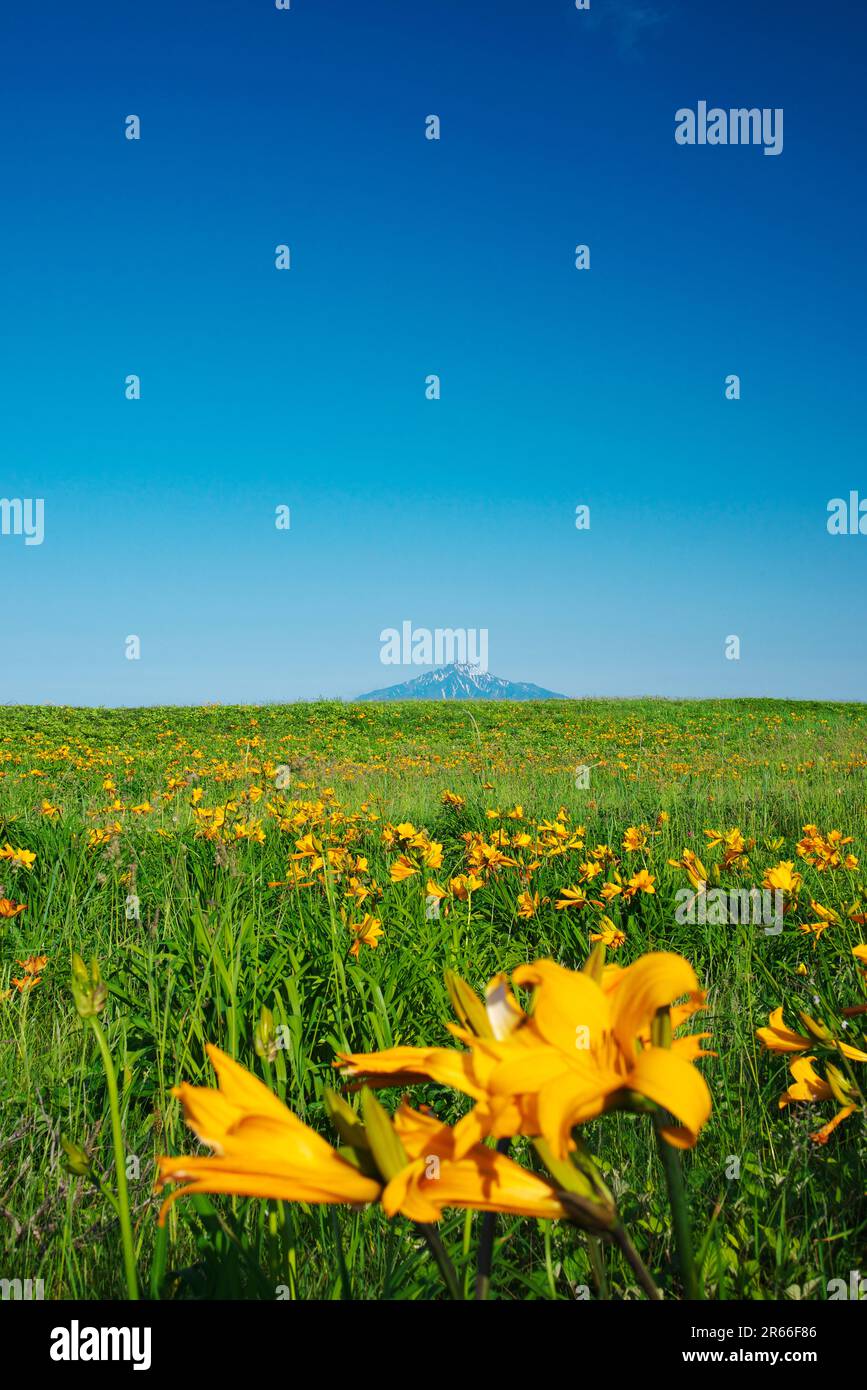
(294, 884)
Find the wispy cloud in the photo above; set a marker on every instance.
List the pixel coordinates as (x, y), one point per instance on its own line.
(629, 22)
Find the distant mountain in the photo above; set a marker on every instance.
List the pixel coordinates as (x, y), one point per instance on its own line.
(461, 681)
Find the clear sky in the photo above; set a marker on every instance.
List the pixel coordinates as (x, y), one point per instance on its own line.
(411, 256)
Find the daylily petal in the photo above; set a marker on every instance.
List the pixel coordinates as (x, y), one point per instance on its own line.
(244, 1090)
(570, 1099)
(647, 986)
(808, 1084)
(410, 1066)
(821, 1135)
(564, 1001)
(669, 1080)
(778, 1038)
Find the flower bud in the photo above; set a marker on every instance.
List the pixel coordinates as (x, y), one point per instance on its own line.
(265, 1036)
(89, 990)
(76, 1160)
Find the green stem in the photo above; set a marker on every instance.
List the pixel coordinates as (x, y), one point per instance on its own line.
(119, 1161)
(345, 1283)
(444, 1264)
(635, 1262)
(670, 1160)
(661, 1031)
(597, 1264)
(486, 1241)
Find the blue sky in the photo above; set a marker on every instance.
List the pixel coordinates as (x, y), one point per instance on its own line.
(410, 257)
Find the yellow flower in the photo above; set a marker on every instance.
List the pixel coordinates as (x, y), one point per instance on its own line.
(778, 1038)
(366, 932)
(589, 870)
(609, 934)
(33, 965)
(783, 877)
(809, 1086)
(642, 882)
(528, 904)
(465, 884)
(696, 871)
(635, 838)
(734, 845)
(586, 1048)
(402, 869)
(824, 914)
(439, 1176)
(570, 897)
(28, 982)
(357, 890)
(826, 917)
(823, 851)
(260, 1149)
(405, 832)
(432, 855)
(18, 858)
(603, 853)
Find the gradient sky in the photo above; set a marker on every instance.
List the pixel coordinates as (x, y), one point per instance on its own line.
(409, 257)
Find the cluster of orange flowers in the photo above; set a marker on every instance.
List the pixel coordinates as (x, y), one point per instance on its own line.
(17, 858)
(839, 1083)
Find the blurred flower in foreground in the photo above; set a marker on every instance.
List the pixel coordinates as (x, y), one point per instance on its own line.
(587, 1047)
(262, 1150)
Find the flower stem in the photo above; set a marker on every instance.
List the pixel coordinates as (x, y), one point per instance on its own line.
(119, 1161)
(627, 1249)
(485, 1255)
(597, 1264)
(670, 1160)
(444, 1264)
(661, 1032)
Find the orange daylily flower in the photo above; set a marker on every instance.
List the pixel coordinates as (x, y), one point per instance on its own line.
(440, 1175)
(778, 1038)
(260, 1149)
(366, 932)
(584, 1049)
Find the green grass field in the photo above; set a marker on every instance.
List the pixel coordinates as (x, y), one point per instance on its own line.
(163, 842)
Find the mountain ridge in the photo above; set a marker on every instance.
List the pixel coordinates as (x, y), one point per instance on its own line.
(461, 681)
